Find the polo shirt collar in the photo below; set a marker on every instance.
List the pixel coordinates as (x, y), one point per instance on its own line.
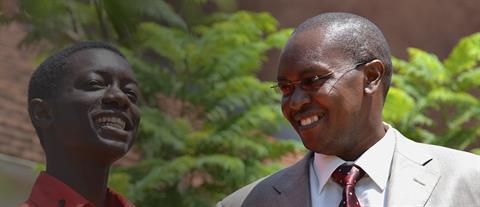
(49, 191)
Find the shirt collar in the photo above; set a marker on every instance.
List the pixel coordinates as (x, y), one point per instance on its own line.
(324, 165)
(49, 191)
(376, 161)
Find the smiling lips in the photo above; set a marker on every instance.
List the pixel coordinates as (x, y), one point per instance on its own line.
(112, 121)
(308, 120)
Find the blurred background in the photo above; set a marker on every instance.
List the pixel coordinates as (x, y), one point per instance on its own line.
(210, 121)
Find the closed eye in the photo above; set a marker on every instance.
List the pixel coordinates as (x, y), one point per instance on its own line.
(94, 84)
(315, 81)
(311, 80)
(132, 95)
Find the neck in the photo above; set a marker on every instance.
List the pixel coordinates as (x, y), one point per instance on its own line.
(368, 136)
(87, 178)
(369, 130)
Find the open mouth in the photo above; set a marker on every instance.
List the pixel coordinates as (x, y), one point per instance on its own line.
(113, 125)
(112, 121)
(310, 120)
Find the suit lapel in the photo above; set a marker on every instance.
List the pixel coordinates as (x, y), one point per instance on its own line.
(413, 176)
(295, 189)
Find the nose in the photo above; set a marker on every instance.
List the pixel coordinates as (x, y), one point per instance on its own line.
(298, 98)
(114, 97)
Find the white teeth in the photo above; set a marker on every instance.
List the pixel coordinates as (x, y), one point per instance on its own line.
(111, 121)
(308, 120)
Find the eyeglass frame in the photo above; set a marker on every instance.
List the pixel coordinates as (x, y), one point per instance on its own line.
(277, 89)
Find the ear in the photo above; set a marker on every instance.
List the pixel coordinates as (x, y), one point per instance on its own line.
(373, 71)
(40, 113)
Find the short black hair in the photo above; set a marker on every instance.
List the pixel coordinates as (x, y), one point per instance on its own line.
(46, 79)
(359, 38)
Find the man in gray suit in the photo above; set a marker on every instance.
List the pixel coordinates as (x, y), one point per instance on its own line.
(334, 74)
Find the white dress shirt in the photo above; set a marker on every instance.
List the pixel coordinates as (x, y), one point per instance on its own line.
(370, 190)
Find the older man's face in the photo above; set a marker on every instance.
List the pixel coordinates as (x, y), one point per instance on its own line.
(325, 108)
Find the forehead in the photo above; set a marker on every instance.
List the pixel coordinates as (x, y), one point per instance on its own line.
(311, 50)
(98, 59)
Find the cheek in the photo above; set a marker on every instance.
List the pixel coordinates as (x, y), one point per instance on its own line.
(135, 111)
(328, 87)
(346, 95)
(77, 112)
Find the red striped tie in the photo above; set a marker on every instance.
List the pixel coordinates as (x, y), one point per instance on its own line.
(347, 176)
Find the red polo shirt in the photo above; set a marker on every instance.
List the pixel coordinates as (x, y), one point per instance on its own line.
(51, 192)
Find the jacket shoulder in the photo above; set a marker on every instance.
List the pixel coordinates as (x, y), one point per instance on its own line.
(459, 172)
(451, 159)
(238, 197)
(262, 192)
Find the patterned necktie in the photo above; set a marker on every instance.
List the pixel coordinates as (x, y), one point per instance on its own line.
(347, 176)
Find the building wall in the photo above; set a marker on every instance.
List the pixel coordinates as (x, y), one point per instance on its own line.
(17, 136)
(431, 25)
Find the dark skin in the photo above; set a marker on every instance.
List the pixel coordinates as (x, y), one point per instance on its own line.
(342, 115)
(91, 122)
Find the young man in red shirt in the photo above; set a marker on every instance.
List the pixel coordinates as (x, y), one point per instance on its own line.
(83, 104)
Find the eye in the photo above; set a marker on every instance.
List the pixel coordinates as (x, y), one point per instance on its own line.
(93, 84)
(132, 95)
(286, 88)
(314, 82)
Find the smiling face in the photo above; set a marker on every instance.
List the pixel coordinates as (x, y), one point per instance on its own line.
(95, 112)
(330, 118)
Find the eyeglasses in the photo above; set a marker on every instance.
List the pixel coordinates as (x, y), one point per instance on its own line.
(308, 84)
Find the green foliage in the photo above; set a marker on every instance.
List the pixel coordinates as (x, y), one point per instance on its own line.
(45, 25)
(432, 101)
(476, 151)
(212, 117)
(206, 118)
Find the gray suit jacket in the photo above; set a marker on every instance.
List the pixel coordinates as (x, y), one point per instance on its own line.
(421, 175)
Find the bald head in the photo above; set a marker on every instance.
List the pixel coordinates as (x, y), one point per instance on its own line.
(356, 37)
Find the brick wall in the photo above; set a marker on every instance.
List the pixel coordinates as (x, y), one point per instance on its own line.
(431, 25)
(17, 136)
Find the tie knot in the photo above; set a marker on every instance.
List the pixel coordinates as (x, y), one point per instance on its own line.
(347, 174)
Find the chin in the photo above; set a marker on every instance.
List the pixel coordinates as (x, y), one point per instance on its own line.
(310, 145)
(116, 147)
(314, 146)
(107, 151)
